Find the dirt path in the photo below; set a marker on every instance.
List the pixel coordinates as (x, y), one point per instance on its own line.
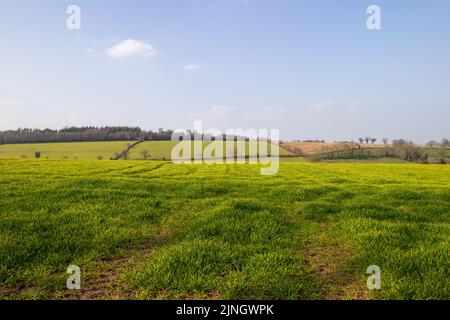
(104, 280)
(334, 268)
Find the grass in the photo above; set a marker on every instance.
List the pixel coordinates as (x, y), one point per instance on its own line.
(154, 230)
(158, 150)
(69, 150)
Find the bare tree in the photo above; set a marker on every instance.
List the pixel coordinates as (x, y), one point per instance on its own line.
(432, 143)
(385, 140)
(125, 154)
(367, 139)
(398, 142)
(361, 140)
(373, 140)
(407, 150)
(445, 143)
(145, 154)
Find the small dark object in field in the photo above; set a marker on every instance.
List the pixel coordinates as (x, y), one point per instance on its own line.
(37, 155)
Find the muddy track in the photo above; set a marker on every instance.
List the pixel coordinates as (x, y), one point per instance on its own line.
(334, 269)
(105, 279)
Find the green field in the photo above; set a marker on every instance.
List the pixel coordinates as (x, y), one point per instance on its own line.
(158, 150)
(153, 230)
(69, 150)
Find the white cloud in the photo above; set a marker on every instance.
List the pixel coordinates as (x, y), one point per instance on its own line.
(100, 45)
(131, 47)
(192, 67)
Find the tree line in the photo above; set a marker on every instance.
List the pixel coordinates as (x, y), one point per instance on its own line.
(82, 134)
(91, 134)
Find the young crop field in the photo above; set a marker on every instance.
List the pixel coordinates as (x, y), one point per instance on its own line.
(155, 230)
(156, 150)
(69, 150)
(162, 150)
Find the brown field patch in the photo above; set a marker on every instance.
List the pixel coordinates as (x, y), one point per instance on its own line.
(311, 148)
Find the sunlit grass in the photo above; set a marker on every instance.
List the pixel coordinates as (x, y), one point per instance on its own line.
(225, 231)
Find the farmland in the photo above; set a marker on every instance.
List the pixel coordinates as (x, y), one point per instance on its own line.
(161, 150)
(72, 150)
(157, 150)
(155, 230)
(311, 148)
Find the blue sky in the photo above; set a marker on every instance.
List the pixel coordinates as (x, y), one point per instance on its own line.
(309, 68)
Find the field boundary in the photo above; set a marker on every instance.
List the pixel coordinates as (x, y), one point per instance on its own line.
(127, 150)
(354, 153)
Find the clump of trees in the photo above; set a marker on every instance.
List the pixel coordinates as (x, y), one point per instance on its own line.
(432, 143)
(367, 140)
(408, 151)
(445, 143)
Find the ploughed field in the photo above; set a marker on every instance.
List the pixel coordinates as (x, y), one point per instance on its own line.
(154, 230)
